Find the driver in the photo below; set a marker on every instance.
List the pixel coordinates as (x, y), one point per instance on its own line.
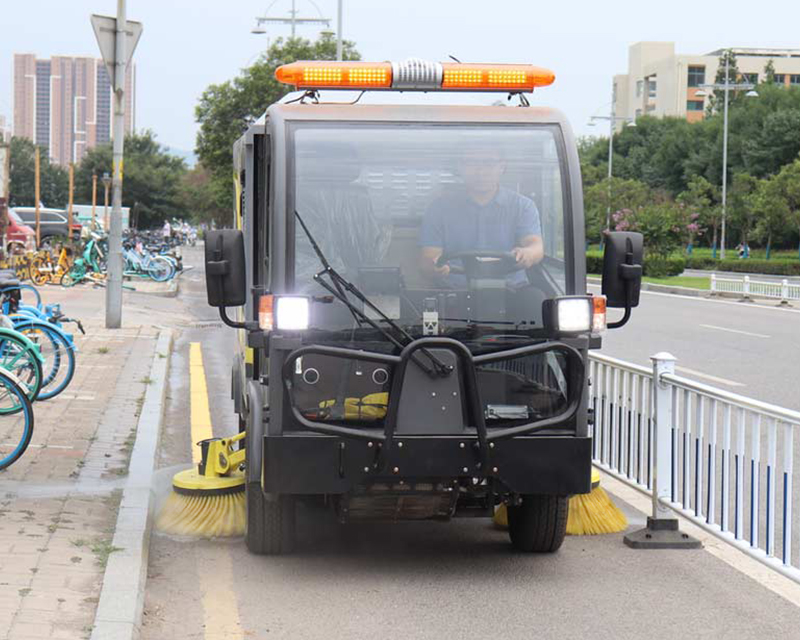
(481, 216)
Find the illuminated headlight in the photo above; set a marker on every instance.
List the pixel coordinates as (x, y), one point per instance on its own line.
(574, 315)
(291, 313)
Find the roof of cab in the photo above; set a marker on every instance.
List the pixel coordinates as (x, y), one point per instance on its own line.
(415, 113)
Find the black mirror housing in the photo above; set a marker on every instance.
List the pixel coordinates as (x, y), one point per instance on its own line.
(225, 268)
(622, 269)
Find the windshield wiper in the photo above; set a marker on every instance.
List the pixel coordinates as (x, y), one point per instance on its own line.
(337, 290)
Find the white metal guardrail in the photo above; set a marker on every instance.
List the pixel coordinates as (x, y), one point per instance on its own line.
(783, 290)
(725, 461)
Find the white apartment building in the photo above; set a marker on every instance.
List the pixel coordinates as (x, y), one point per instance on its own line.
(660, 82)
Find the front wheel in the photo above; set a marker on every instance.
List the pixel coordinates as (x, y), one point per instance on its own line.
(16, 417)
(539, 523)
(67, 280)
(270, 522)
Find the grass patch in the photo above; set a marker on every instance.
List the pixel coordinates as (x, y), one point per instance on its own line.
(146, 380)
(100, 547)
(102, 350)
(690, 282)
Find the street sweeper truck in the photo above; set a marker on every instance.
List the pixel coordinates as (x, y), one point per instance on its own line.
(408, 283)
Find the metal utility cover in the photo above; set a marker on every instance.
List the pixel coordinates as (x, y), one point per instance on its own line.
(105, 30)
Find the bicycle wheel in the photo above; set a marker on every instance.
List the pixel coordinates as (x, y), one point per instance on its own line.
(16, 427)
(17, 357)
(160, 270)
(58, 355)
(40, 271)
(22, 271)
(68, 280)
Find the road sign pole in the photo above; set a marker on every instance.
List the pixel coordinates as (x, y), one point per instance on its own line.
(114, 288)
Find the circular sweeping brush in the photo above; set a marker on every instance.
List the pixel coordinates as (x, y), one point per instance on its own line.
(589, 513)
(208, 501)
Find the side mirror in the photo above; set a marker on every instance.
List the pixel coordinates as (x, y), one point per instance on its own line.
(225, 268)
(622, 271)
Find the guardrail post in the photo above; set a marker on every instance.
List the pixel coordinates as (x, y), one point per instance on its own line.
(784, 291)
(713, 283)
(662, 530)
(746, 286)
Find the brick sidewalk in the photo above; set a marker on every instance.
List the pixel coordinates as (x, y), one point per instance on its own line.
(58, 502)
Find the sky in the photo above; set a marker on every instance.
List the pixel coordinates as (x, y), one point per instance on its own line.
(190, 44)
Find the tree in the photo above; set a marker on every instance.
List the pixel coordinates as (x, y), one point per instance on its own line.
(775, 145)
(54, 180)
(717, 101)
(701, 199)
(772, 211)
(789, 184)
(226, 109)
(625, 194)
(152, 178)
(769, 72)
(199, 199)
(740, 204)
(660, 223)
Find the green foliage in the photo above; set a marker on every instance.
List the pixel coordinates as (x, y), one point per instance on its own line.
(152, 179)
(771, 210)
(226, 109)
(53, 182)
(662, 224)
(654, 266)
(200, 194)
(624, 194)
(772, 267)
(769, 71)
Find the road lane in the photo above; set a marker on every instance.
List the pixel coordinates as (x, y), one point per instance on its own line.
(426, 579)
(689, 328)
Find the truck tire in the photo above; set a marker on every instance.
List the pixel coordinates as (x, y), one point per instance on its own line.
(270, 523)
(539, 524)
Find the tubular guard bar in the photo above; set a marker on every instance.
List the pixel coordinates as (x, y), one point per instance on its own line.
(468, 363)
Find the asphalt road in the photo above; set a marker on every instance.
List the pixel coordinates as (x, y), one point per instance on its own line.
(749, 349)
(457, 579)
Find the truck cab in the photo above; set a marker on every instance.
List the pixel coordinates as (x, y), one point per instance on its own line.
(414, 322)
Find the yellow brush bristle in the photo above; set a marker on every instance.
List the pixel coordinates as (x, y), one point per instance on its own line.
(589, 514)
(594, 513)
(205, 516)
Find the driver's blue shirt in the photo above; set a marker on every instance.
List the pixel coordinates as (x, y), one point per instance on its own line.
(457, 223)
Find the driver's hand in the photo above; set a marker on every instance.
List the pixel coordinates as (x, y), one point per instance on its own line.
(442, 271)
(526, 256)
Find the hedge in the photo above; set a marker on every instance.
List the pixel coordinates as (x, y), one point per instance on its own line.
(771, 267)
(653, 266)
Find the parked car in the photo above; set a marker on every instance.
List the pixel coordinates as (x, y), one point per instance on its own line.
(53, 222)
(18, 231)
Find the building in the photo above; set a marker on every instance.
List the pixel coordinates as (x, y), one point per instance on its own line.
(660, 82)
(64, 104)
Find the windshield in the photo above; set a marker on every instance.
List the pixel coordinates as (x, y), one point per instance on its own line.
(445, 229)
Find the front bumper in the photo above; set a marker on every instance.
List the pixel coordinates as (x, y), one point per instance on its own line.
(319, 464)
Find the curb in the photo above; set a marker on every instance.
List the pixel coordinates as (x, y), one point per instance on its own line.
(119, 610)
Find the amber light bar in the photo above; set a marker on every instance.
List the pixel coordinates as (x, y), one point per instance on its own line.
(414, 75)
(336, 75)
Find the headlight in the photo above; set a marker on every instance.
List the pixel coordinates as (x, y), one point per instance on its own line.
(291, 313)
(574, 315)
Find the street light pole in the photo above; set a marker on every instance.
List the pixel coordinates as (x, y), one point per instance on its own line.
(725, 88)
(611, 124)
(725, 156)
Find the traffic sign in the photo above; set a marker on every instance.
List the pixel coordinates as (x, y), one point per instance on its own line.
(105, 30)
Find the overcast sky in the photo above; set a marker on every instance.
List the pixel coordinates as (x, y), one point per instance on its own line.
(189, 44)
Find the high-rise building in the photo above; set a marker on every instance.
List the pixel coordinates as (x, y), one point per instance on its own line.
(660, 82)
(64, 104)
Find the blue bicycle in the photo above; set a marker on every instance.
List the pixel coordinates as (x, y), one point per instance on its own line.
(16, 419)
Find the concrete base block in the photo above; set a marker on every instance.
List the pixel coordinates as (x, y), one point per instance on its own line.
(661, 534)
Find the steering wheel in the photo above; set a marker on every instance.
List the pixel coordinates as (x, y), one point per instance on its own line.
(481, 263)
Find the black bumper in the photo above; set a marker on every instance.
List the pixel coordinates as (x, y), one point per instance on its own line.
(306, 464)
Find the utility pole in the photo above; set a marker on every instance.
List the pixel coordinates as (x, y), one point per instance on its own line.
(339, 30)
(94, 199)
(106, 184)
(117, 40)
(71, 198)
(36, 188)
